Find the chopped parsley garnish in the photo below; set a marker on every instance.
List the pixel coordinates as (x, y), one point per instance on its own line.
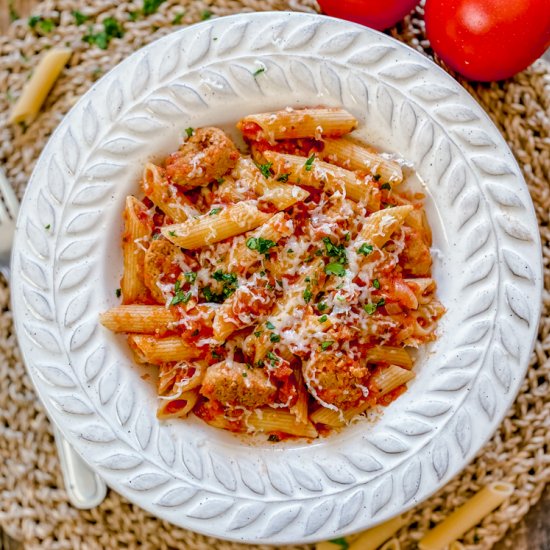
(264, 169)
(180, 297)
(335, 251)
(377, 177)
(290, 251)
(309, 163)
(283, 178)
(79, 17)
(335, 268)
(321, 306)
(274, 438)
(326, 345)
(386, 186)
(47, 226)
(370, 308)
(178, 18)
(270, 325)
(111, 29)
(307, 294)
(245, 374)
(220, 180)
(262, 273)
(258, 71)
(318, 253)
(216, 355)
(323, 318)
(230, 284)
(206, 14)
(189, 131)
(274, 338)
(272, 357)
(376, 283)
(365, 249)
(151, 6)
(214, 211)
(39, 23)
(229, 278)
(195, 332)
(190, 276)
(261, 245)
(348, 237)
(342, 542)
(118, 292)
(172, 233)
(258, 333)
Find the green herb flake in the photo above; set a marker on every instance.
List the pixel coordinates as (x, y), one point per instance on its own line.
(264, 169)
(261, 245)
(262, 273)
(335, 268)
(326, 345)
(118, 293)
(377, 177)
(216, 355)
(309, 163)
(177, 19)
(386, 186)
(258, 71)
(190, 276)
(245, 374)
(307, 294)
(274, 438)
(272, 357)
(283, 178)
(47, 226)
(180, 297)
(321, 306)
(365, 249)
(376, 283)
(274, 338)
(189, 131)
(341, 542)
(214, 211)
(220, 180)
(270, 325)
(79, 17)
(334, 250)
(206, 14)
(151, 6)
(290, 251)
(258, 333)
(172, 233)
(370, 308)
(323, 318)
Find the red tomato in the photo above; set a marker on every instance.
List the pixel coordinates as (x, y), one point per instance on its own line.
(378, 14)
(488, 39)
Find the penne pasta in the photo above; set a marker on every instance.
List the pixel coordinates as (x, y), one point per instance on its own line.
(150, 349)
(380, 225)
(300, 408)
(390, 354)
(137, 234)
(164, 195)
(375, 537)
(351, 154)
(216, 226)
(39, 85)
(387, 379)
(337, 419)
(466, 516)
(279, 420)
(297, 123)
(319, 174)
(138, 318)
(183, 376)
(178, 407)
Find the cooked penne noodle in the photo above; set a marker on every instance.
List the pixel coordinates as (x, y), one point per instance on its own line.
(138, 318)
(467, 516)
(387, 379)
(319, 174)
(241, 257)
(182, 376)
(297, 123)
(216, 226)
(137, 233)
(279, 420)
(337, 419)
(39, 85)
(373, 538)
(351, 154)
(299, 409)
(388, 354)
(380, 225)
(165, 195)
(151, 349)
(178, 407)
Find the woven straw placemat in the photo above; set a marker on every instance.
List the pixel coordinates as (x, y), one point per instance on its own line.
(33, 503)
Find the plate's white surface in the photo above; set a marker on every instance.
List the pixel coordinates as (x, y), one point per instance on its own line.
(487, 265)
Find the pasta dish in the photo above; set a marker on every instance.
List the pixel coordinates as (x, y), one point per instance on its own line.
(281, 291)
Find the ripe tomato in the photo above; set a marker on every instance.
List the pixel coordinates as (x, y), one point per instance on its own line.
(488, 39)
(378, 14)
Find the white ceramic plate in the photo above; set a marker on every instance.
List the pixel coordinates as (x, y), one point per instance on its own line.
(67, 265)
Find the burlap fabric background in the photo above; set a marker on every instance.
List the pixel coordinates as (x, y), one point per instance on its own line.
(33, 504)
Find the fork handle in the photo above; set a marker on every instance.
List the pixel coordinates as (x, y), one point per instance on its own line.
(84, 487)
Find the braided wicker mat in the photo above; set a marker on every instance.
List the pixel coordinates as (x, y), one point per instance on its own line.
(33, 503)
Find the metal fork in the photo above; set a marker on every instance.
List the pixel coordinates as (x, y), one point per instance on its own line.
(84, 487)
